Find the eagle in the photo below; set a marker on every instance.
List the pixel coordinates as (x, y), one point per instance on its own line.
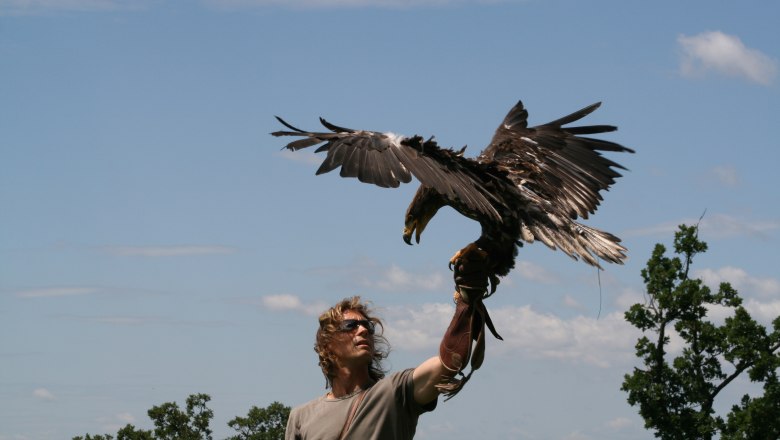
(529, 184)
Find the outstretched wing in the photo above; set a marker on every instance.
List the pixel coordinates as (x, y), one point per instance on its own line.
(551, 164)
(387, 160)
(559, 175)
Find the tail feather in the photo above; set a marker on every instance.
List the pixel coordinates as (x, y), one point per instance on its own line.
(579, 241)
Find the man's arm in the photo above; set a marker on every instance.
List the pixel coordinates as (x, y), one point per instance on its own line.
(471, 280)
(425, 378)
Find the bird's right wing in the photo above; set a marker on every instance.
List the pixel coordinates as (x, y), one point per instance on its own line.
(387, 160)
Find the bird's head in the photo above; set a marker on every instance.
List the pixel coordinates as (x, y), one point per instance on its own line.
(425, 204)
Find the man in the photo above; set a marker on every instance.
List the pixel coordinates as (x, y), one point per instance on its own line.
(362, 402)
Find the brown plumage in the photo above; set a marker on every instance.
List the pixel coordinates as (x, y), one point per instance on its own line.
(528, 184)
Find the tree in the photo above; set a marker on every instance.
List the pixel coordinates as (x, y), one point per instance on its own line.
(676, 398)
(266, 423)
(171, 423)
(130, 433)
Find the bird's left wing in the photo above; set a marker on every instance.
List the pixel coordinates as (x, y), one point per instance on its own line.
(387, 160)
(562, 170)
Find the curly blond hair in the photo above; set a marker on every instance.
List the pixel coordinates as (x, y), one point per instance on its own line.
(330, 322)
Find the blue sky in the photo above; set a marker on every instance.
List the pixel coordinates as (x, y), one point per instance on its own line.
(155, 242)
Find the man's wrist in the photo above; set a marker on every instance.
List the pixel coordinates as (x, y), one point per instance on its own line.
(469, 294)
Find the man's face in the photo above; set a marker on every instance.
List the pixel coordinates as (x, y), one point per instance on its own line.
(353, 347)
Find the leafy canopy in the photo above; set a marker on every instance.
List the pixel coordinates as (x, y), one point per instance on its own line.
(675, 393)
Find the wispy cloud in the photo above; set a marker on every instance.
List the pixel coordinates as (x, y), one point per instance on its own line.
(725, 54)
(764, 312)
(48, 292)
(725, 175)
(536, 273)
(526, 332)
(239, 4)
(168, 251)
(746, 284)
(120, 320)
(418, 328)
(306, 157)
(394, 278)
(43, 394)
(31, 7)
(601, 342)
(116, 421)
(712, 226)
(367, 274)
(292, 303)
(620, 423)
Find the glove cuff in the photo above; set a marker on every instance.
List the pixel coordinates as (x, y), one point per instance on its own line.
(455, 347)
(469, 294)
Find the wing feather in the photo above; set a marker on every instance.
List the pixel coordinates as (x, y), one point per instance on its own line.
(562, 168)
(386, 160)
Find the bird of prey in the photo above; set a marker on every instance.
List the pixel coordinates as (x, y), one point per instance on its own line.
(529, 184)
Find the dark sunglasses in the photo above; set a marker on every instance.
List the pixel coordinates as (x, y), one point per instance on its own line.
(349, 325)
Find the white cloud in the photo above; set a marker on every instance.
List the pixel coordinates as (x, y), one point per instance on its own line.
(168, 251)
(726, 175)
(120, 320)
(418, 328)
(571, 302)
(601, 342)
(48, 292)
(302, 156)
(291, 303)
(25, 7)
(535, 272)
(576, 435)
(763, 312)
(628, 298)
(712, 226)
(526, 332)
(125, 417)
(620, 423)
(725, 54)
(282, 302)
(744, 283)
(43, 394)
(117, 421)
(368, 275)
(395, 279)
(238, 4)
(723, 226)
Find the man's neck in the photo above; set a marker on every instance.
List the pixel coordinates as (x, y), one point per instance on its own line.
(348, 381)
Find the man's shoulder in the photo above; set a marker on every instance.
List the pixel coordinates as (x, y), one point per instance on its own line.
(400, 377)
(304, 407)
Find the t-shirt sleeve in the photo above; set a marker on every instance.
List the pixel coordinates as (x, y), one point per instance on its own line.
(292, 432)
(406, 386)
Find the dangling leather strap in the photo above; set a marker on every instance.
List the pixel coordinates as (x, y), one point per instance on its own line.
(352, 411)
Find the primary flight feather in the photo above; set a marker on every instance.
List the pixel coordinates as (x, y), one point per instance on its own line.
(528, 184)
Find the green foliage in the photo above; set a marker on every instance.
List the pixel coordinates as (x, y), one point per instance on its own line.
(130, 433)
(676, 398)
(171, 423)
(262, 423)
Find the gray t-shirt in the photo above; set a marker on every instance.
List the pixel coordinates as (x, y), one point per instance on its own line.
(388, 411)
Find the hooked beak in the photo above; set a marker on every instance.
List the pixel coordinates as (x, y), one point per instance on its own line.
(415, 226)
(424, 206)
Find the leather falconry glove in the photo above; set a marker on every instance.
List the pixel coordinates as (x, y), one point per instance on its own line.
(464, 339)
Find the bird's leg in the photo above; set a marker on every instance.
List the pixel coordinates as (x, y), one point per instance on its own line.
(494, 281)
(493, 284)
(460, 253)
